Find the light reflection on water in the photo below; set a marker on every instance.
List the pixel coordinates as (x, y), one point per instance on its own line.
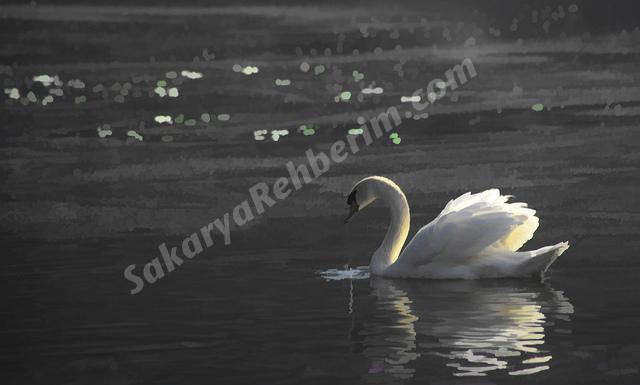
(478, 328)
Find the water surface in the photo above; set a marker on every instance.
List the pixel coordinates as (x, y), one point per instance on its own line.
(125, 128)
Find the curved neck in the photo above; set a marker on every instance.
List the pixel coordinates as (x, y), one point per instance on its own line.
(398, 230)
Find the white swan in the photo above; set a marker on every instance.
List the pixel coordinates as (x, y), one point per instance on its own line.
(475, 236)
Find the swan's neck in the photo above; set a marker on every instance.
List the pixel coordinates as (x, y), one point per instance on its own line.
(398, 230)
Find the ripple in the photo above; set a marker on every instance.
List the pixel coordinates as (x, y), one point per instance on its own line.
(360, 272)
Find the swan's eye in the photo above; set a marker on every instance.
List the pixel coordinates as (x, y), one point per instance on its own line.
(351, 200)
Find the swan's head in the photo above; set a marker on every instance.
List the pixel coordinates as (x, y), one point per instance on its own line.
(361, 196)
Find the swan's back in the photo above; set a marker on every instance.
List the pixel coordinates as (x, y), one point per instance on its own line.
(475, 236)
(493, 206)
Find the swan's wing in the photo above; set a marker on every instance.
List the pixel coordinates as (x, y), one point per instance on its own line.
(472, 225)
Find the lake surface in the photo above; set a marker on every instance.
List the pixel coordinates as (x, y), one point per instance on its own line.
(126, 128)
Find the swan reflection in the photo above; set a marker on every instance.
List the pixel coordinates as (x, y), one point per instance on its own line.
(477, 327)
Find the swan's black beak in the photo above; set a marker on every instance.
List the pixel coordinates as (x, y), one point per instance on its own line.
(353, 208)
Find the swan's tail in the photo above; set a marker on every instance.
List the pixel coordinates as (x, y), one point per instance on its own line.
(540, 260)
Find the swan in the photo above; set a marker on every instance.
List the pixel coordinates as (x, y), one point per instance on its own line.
(475, 236)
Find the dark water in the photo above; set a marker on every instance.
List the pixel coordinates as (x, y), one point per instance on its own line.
(95, 177)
